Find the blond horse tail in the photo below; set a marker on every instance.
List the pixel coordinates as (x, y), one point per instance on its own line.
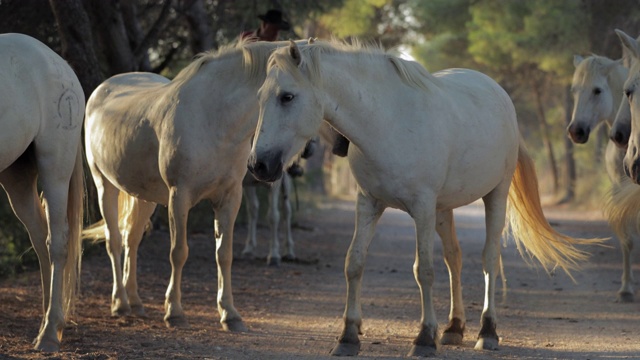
(622, 209)
(97, 232)
(75, 217)
(530, 229)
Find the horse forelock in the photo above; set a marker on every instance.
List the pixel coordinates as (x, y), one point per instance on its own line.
(591, 68)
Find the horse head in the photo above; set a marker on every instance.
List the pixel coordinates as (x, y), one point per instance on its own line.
(290, 113)
(631, 90)
(592, 95)
(621, 128)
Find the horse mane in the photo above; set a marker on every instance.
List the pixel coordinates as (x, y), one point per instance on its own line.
(254, 56)
(410, 72)
(592, 66)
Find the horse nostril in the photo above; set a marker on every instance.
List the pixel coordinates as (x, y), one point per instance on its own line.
(626, 171)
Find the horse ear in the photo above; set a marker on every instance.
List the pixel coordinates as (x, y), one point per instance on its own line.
(311, 40)
(577, 59)
(629, 43)
(295, 52)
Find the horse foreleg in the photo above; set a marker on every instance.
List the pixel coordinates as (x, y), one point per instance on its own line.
(445, 227)
(253, 206)
(286, 206)
(495, 211)
(136, 222)
(274, 259)
(226, 212)
(625, 294)
(108, 202)
(426, 343)
(368, 212)
(179, 205)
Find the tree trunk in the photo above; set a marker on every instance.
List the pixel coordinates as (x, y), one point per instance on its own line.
(112, 35)
(570, 162)
(546, 138)
(134, 32)
(199, 25)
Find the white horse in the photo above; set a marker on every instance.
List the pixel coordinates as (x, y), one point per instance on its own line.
(42, 109)
(597, 95)
(422, 143)
(277, 189)
(155, 141)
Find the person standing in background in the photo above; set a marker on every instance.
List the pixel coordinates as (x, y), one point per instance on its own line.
(271, 25)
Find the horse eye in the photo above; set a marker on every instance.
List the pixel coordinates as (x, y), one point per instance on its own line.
(597, 91)
(628, 94)
(286, 98)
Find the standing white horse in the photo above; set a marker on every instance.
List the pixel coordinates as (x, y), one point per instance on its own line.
(422, 143)
(155, 141)
(42, 109)
(597, 95)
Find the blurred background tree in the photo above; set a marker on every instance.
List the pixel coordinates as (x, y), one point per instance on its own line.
(525, 45)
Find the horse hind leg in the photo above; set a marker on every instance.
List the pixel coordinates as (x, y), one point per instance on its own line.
(495, 212)
(454, 332)
(19, 182)
(289, 253)
(252, 205)
(108, 202)
(274, 259)
(626, 293)
(136, 221)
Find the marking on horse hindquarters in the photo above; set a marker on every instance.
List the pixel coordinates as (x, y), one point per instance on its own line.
(67, 103)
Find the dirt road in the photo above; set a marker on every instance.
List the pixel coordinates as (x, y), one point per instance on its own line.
(295, 311)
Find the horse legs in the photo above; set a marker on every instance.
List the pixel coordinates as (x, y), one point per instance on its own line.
(495, 211)
(19, 181)
(445, 227)
(253, 206)
(274, 259)
(108, 202)
(55, 174)
(136, 222)
(226, 212)
(625, 294)
(368, 212)
(179, 205)
(289, 253)
(426, 343)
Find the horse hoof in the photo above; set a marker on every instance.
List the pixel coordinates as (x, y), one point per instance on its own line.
(274, 262)
(48, 346)
(121, 312)
(625, 297)
(289, 258)
(422, 351)
(176, 322)
(346, 349)
(234, 325)
(487, 344)
(451, 338)
(247, 255)
(138, 311)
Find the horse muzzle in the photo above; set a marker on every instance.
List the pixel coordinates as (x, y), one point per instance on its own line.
(578, 134)
(620, 134)
(266, 167)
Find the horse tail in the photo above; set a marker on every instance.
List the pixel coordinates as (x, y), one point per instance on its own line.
(75, 217)
(530, 228)
(97, 232)
(622, 209)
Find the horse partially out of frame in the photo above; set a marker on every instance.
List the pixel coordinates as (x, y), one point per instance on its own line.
(424, 143)
(598, 98)
(153, 141)
(42, 111)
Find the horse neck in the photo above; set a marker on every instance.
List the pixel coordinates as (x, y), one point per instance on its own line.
(615, 80)
(227, 96)
(354, 101)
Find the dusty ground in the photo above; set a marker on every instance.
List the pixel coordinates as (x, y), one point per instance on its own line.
(295, 311)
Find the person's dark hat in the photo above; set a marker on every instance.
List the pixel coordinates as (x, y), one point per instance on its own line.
(275, 17)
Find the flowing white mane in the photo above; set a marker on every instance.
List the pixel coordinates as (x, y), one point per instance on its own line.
(410, 72)
(254, 55)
